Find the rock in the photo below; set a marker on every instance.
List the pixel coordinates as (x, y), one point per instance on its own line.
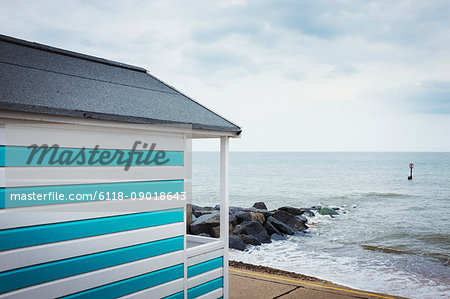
(308, 212)
(298, 212)
(260, 205)
(232, 219)
(236, 243)
(252, 240)
(234, 210)
(203, 211)
(213, 218)
(278, 237)
(292, 210)
(302, 219)
(243, 216)
(289, 220)
(271, 229)
(255, 228)
(194, 207)
(211, 230)
(239, 229)
(285, 229)
(258, 217)
(266, 213)
(215, 231)
(328, 211)
(205, 224)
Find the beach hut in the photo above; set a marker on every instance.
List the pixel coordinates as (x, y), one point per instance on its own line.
(95, 174)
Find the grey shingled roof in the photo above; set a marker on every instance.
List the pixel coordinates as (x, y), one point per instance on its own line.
(43, 79)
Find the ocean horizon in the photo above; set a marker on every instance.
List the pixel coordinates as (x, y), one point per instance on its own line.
(391, 234)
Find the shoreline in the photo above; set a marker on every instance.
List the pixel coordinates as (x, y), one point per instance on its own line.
(254, 226)
(265, 282)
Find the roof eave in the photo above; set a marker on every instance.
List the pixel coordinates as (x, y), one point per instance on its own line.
(111, 117)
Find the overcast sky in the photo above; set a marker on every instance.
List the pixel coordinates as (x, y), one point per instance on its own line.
(295, 75)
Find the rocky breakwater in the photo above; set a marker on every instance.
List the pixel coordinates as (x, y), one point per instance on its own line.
(255, 225)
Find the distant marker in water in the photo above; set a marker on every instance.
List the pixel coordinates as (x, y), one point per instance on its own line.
(411, 166)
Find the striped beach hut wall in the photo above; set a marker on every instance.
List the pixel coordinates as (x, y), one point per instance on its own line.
(95, 181)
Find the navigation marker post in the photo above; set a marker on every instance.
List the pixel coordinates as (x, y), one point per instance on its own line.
(411, 166)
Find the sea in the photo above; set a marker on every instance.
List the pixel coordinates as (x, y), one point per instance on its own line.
(392, 235)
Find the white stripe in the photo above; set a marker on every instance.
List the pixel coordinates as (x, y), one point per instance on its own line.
(2, 176)
(29, 216)
(198, 249)
(200, 239)
(74, 284)
(45, 176)
(160, 291)
(70, 135)
(204, 277)
(2, 133)
(22, 257)
(217, 293)
(204, 256)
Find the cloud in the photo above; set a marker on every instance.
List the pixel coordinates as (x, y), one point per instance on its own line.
(327, 72)
(428, 97)
(343, 70)
(401, 22)
(215, 60)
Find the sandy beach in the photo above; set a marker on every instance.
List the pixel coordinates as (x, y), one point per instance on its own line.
(251, 281)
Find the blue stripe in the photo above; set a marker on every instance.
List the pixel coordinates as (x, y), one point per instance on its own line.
(2, 198)
(132, 285)
(32, 275)
(56, 232)
(205, 267)
(28, 196)
(2, 155)
(179, 295)
(205, 288)
(19, 156)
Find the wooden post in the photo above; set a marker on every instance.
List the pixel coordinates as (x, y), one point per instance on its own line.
(188, 217)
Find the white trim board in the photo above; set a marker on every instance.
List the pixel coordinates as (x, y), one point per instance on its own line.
(76, 136)
(50, 176)
(29, 216)
(192, 251)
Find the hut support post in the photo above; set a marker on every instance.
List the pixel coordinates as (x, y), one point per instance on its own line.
(224, 205)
